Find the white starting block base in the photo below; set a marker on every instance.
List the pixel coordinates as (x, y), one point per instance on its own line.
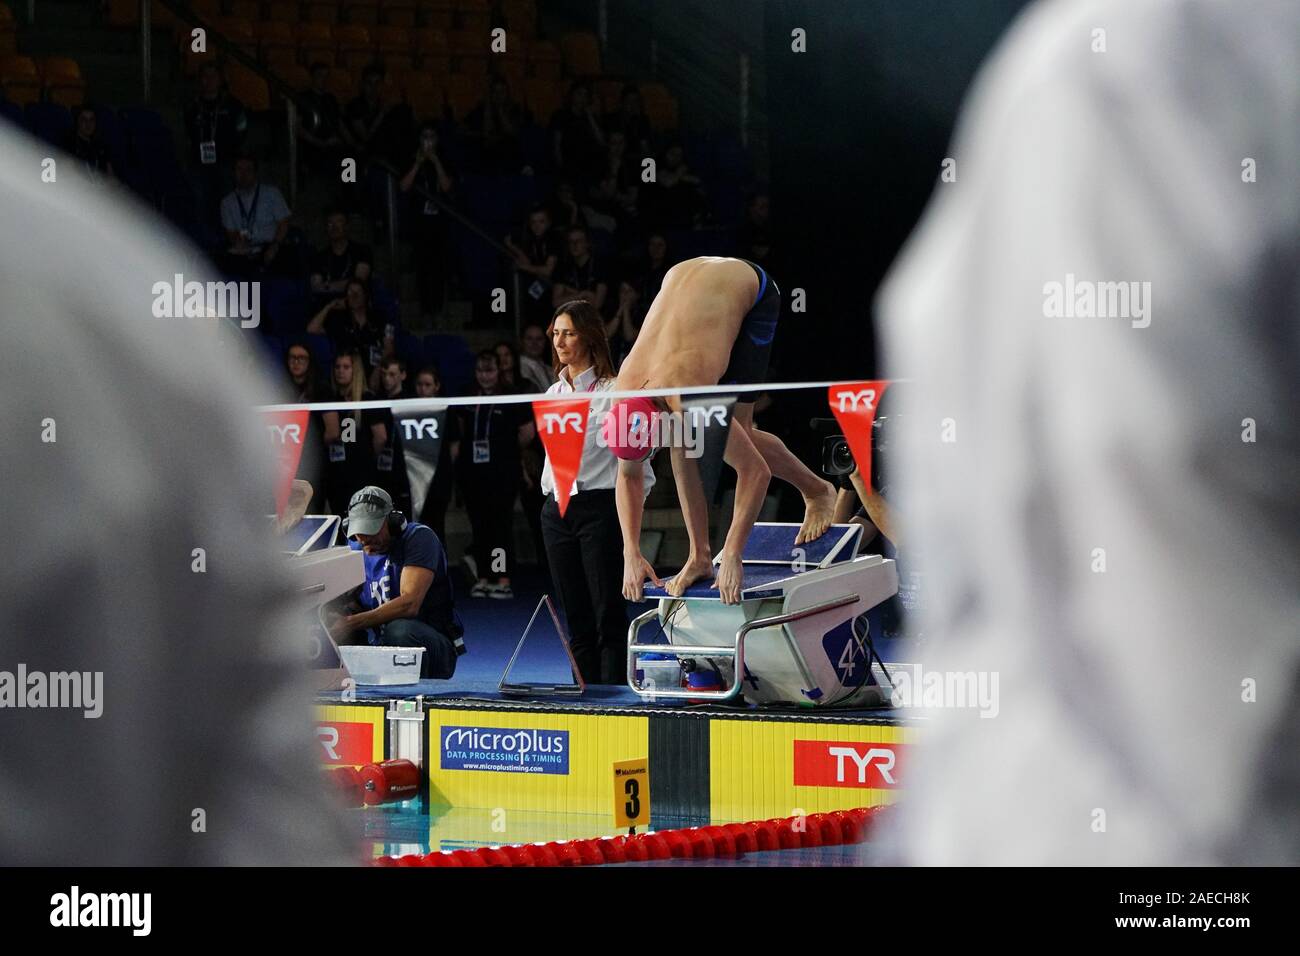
(791, 637)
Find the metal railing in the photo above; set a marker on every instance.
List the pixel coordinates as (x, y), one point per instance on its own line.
(278, 88)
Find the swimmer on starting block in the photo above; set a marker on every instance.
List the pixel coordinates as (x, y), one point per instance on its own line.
(713, 321)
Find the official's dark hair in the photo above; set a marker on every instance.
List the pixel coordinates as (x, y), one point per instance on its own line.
(591, 331)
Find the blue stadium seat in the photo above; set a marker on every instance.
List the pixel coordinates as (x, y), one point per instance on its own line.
(322, 351)
(50, 121)
(411, 350)
(454, 360)
(13, 113)
(285, 305)
(109, 126)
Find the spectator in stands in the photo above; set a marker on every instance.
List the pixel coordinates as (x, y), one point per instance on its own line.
(376, 127)
(623, 327)
(215, 123)
(341, 260)
(585, 545)
(390, 464)
(88, 149)
(566, 212)
(533, 454)
(648, 275)
(615, 193)
(489, 473)
(580, 276)
(438, 495)
(755, 234)
(577, 140)
(537, 362)
(494, 127)
(676, 198)
(307, 386)
(428, 176)
(631, 121)
(256, 219)
(537, 252)
(350, 460)
(353, 326)
(320, 124)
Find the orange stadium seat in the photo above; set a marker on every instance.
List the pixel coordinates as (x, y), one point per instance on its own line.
(340, 83)
(240, 32)
(513, 68)
(247, 9)
(544, 58)
(424, 94)
(321, 11)
(297, 78)
(431, 46)
(464, 92)
(283, 11)
(607, 94)
(64, 84)
(356, 49)
(520, 16)
(398, 13)
(276, 43)
(394, 46)
(8, 31)
(315, 43)
(660, 106)
(543, 97)
(469, 52)
(19, 79)
(581, 54)
(361, 12)
(474, 15)
(249, 88)
(438, 14)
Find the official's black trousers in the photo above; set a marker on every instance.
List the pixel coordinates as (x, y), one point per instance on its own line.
(585, 551)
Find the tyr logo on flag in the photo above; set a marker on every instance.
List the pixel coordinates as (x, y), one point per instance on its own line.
(287, 430)
(854, 406)
(561, 424)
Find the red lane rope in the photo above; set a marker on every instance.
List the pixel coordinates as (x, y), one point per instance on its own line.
(698, 843)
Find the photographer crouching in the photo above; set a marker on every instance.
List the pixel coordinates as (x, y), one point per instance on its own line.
(406, 600)
(863, 500)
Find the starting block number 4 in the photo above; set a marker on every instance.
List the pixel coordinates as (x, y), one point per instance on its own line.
(632, 792)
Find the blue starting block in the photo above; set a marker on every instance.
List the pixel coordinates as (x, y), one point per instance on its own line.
(791, 638)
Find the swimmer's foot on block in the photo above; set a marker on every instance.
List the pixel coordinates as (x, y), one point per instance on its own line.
(818, 512)
(694, 571)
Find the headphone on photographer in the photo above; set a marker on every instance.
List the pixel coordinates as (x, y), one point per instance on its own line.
(395, 520)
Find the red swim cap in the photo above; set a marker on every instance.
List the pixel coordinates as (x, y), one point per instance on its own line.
(627, 428)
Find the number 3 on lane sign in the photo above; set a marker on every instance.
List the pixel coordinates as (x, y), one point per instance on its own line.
(632, 792)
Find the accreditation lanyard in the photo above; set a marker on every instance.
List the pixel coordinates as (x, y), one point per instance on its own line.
(482, 446)
(246, 215)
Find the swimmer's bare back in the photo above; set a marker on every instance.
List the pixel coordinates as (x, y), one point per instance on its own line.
(692, 324)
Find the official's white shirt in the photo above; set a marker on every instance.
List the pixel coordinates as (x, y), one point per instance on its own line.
(1092, 525)
(599, 469)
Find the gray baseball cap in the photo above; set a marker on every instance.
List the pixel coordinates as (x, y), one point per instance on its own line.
(368, 510)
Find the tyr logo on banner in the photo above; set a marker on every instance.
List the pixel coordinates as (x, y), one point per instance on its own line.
(415, 428)
(560, 422)
(286, 433)
(849, 401)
